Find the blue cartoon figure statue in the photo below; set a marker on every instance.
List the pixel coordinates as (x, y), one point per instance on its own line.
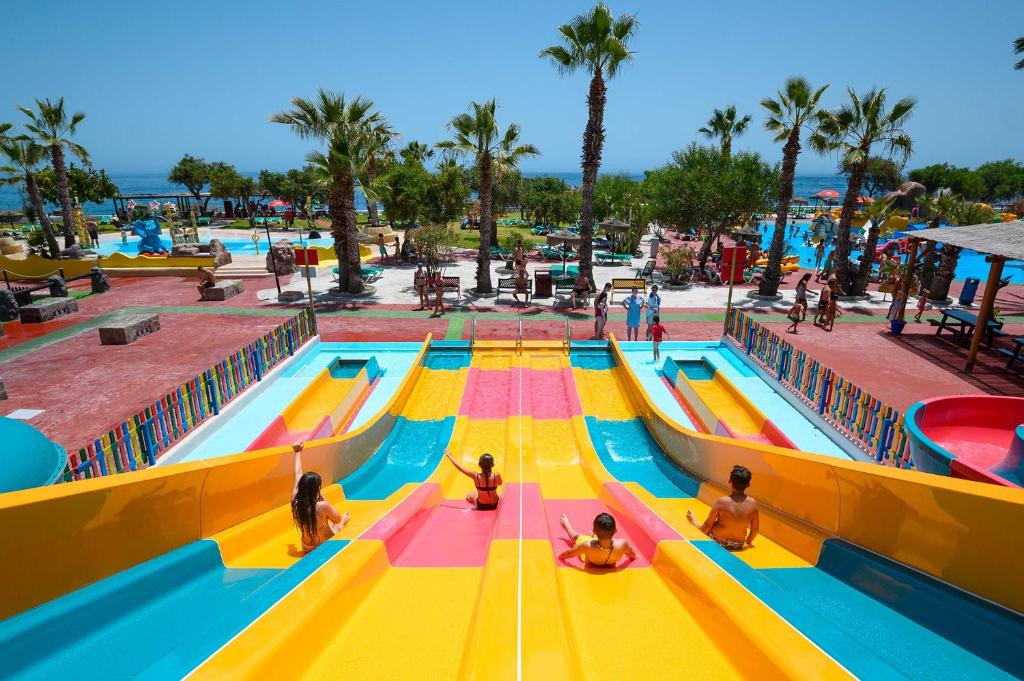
(148, 232)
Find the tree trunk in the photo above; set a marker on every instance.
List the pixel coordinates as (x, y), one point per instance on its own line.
(939, 290)
(355, 275)
(64, 193)
(593, 143)
(860, 284)
(336, 210)
(483, 256)
(371, 204)
(772, 276)
(841, 261)
(36, 199)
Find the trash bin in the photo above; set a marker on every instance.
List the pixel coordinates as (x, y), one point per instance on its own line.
(542, 284)
(970, 290)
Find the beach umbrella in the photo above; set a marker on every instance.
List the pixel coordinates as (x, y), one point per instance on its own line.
(563, 237)
(612, 228)
(799, 200)
(865, 199)
(278, 203)
(828, 194)
(10, 216)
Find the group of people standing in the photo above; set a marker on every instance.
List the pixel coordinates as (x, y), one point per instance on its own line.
(827, 310)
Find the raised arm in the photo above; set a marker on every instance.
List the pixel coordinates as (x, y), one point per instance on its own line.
(297, 448)
(455, 463)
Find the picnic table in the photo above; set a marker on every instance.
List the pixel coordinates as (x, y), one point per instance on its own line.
(961, 324)
(1013, 353)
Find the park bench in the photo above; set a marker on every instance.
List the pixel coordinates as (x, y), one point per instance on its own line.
(627, 285)
(47, 310)
(566, 284)
(508, 285)
(129, 329)
(450, 283)
(57, 285)
(646, 272)
(961, 324)
(222, 290)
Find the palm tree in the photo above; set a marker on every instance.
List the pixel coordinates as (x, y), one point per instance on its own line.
(878, 212)
(852, 130)
(723, 126)
(797, 105)
(23, 157)
(937, 208)
(417, 152)
(1018, 48)
(343, 125)
(598, 43)
(476, 133)
(965, 213)
(379, 151)
(54, 129)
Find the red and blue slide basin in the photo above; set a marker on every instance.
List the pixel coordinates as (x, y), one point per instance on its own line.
(975, 437)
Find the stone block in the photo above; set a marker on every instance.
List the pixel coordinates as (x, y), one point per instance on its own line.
(3, 390)
(222, 290)
(129, 329)
(47, 310)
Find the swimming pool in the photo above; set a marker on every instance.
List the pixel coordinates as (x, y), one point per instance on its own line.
(970, 264)
(234, 245)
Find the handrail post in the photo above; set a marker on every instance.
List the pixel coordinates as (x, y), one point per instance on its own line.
(519, 341)
(472, 334)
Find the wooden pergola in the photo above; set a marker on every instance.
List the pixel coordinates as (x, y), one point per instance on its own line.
(1000, 241)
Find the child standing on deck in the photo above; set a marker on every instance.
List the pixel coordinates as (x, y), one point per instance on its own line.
(634, 304)
(922, 303)
(486, 481)
(600, 550)
(657, 333)
(731, 516)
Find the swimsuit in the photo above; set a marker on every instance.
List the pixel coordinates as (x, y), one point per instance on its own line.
(585, 539)
(207, 284)
(481, 506)
(728, 544)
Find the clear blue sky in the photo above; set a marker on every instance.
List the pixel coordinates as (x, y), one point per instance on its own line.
(203, 77)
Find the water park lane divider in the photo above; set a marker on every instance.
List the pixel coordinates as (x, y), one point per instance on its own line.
(135, 442)
(160, 508)
(930, 523)
(867, 421)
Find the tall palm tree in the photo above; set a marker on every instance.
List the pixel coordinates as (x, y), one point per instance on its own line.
(795, 107)
(596, 42)
(964, 213)
(380, 138)
(343, 126)
(417, 152)
(724, 126)
(852, 130)
(878, 212)
(53, 129)
(936, 208)
(23, 157)
(476, 133)
(1018, 48)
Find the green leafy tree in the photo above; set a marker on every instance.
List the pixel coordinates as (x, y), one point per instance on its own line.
(852, 131)
(416, 151)
(343, 127)
(23, 157)
(598, 43)
(447, 193)
(86, 184)
(379, 156)
(53, 128)
(881, 175)
(960, 213)
(193, 174)
(725, 127)
(795, 107)
(878, 213)
(225, 182)
(612, 196)
(406, 196)
(477, 134)
(1003, 179)
(963, 181)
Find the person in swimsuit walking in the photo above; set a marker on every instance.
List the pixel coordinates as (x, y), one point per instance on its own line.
(487, 482)
(315, 517)
(419, 280)
(600, 550)
(601, 312)
(731, 516)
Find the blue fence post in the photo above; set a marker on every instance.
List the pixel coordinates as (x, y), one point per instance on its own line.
(100, 455)
(147, 440)
(291, 342)
(826, 384)
(886, 429)
(128, 446)
(212, 393)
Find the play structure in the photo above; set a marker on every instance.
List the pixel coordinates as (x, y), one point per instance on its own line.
(148, 232)
(859, 571)
(975, 437)
(325, 407)
(27, 457)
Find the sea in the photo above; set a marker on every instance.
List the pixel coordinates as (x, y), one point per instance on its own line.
(12, 198)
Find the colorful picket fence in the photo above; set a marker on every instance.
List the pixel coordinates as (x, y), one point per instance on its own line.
(871, 424)
(138, 441)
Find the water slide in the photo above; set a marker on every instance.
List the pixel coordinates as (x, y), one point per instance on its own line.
(975, 437)
(27, 457)
(325, 407)
(418, 584)
(718, 405)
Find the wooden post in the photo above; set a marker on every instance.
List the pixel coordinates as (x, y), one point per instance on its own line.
(908, 277)
(995, 271)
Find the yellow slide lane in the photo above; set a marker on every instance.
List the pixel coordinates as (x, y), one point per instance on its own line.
(725, 407)
(306, 413)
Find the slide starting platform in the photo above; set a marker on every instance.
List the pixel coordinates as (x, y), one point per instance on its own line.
(325, 407)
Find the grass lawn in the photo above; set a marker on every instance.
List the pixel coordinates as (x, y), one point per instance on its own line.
(361, 219)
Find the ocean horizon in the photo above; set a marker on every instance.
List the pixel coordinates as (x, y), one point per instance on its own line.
(12, 198)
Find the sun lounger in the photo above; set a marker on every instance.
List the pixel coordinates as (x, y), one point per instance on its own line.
(613, 258)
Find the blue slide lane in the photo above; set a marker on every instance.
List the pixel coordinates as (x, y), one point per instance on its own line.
(410, 453)
(631, 454)
(124, 622)
(870, 636)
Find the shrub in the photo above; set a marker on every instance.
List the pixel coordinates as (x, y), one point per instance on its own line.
(677, 260)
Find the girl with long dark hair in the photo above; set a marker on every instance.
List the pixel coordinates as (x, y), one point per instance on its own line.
(487, 482)
(315, 517)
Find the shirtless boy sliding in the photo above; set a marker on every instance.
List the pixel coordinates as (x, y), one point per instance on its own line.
(731, 515)
(601, 550)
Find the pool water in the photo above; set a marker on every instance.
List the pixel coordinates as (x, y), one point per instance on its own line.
(970, 264)
(234, 245)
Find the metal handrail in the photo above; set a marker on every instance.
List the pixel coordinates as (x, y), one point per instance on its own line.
(519, 341)
(472, 334)
(568, 332)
